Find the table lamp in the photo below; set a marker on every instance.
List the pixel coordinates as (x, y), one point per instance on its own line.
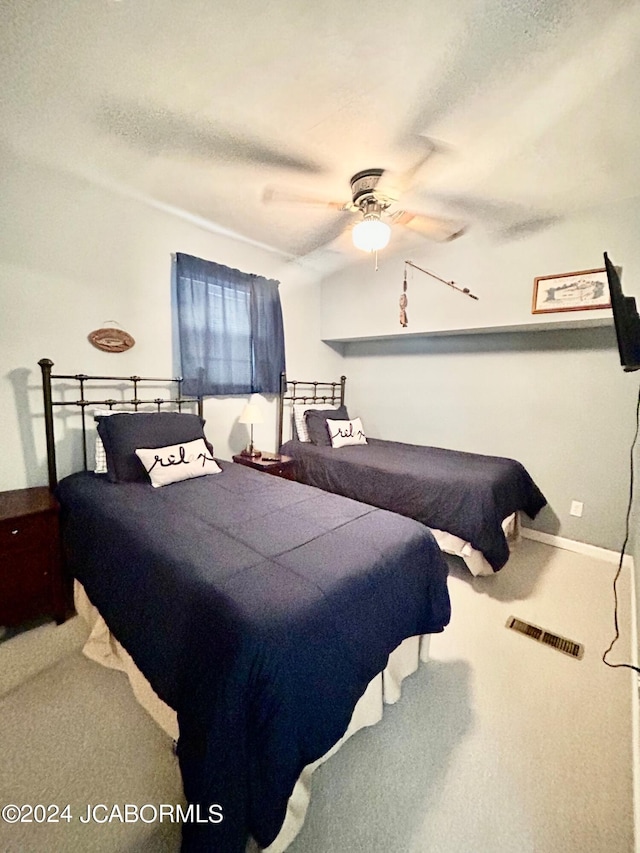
(251, 415)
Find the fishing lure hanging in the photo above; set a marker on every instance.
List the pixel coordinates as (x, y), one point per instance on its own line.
(404, 301)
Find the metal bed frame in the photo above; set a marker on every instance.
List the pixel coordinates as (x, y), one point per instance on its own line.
(81, 380)
(297, 391)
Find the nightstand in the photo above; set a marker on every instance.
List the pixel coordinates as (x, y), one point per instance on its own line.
(31, 580)
(280, 466)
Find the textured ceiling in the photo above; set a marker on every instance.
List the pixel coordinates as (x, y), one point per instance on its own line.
(534, 106)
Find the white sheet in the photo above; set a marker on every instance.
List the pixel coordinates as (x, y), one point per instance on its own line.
(385, 688)
(474, 559)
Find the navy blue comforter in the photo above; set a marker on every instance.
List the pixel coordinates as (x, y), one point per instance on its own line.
(259, 609)
(466, 494)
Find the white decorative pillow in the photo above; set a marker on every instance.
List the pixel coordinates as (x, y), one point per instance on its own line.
(346, 432)
(177, 462)
(298, 417)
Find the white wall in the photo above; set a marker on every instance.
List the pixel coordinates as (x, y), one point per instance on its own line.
(73, 255)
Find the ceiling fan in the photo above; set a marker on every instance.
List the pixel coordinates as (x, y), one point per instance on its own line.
(374, 195)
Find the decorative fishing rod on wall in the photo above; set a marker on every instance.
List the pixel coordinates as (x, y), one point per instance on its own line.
(404, 301)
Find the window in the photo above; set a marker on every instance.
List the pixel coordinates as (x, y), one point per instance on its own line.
(231, 336)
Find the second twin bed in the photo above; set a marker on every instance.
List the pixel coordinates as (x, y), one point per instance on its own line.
(469, 501)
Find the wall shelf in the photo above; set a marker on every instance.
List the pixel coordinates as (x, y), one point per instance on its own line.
(533, 326)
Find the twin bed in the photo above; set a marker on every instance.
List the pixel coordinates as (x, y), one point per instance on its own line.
(266, 620)
(469, 501)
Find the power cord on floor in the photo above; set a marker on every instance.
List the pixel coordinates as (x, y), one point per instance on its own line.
(622, 552)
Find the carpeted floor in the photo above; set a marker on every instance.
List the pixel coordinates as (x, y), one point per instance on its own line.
(499, 744)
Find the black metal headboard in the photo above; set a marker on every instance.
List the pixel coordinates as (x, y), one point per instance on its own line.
(127, 384)
(295, 391)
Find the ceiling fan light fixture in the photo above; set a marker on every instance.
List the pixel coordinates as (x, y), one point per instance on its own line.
(371, 234)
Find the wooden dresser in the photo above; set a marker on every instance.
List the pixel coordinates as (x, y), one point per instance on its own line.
(31, 578)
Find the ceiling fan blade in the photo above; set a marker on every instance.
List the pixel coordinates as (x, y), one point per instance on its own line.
(527, 227)
(504, 220)
(282, 195)
(160, 131)
(434, 227)
(324, 237)
(393, 184)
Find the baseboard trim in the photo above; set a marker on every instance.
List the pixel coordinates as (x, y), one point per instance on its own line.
(578, 547)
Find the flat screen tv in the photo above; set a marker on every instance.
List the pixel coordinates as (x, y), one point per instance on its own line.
(625, 318)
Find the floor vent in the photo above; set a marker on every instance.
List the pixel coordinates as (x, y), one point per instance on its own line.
(569, 647)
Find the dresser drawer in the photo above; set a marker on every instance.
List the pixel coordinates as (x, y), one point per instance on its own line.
(32, 583)
(285, 470)
(26, 584)
(27, 531)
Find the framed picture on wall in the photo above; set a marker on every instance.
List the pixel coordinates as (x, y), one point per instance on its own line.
(571, 291)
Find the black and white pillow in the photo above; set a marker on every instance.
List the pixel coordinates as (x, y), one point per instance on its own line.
(316, 421)
(343, 433)
(166, 465)
(299, 412)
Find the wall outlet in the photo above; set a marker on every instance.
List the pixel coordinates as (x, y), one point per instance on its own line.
(576, 508)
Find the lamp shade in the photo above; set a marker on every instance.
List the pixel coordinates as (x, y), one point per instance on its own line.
(251, 414)
(371, 234)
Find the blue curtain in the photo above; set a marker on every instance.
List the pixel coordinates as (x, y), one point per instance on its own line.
(230, 329)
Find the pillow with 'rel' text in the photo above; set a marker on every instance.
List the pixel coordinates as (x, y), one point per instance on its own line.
(343, 433)
(166, 465)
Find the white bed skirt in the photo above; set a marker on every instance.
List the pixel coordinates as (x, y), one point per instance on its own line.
(385, 688)
(474, 559)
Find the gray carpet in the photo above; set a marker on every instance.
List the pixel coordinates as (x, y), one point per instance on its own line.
(499, 744)
(72, 734)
